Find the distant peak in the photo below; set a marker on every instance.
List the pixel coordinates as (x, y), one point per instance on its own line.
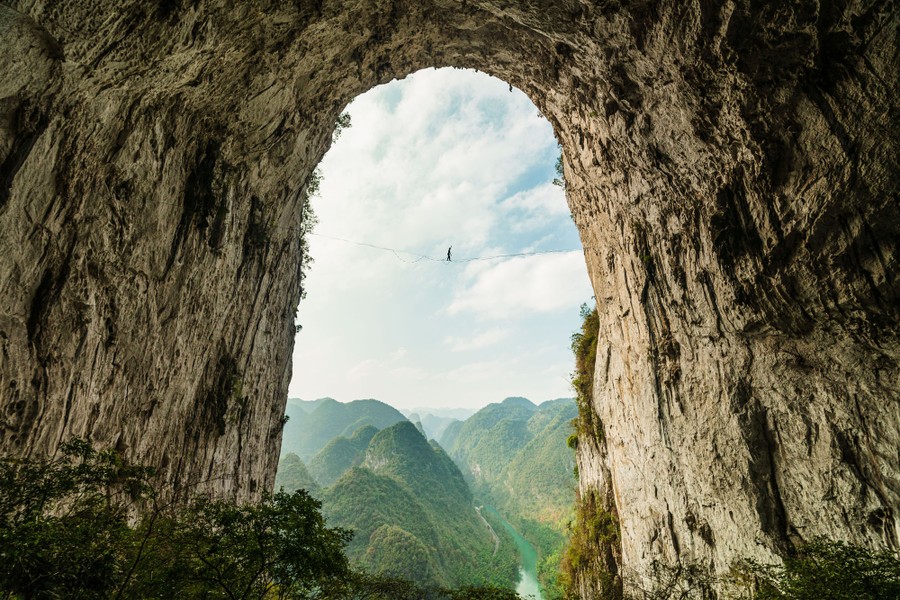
(403, 433)
(366, 431)
(405, 426)
(556, 401)
(519, 401)
(370, 401)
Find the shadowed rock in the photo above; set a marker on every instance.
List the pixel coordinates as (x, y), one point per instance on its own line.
(731, 166)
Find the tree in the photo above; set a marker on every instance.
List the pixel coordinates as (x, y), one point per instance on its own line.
(560, 179)
(278, 547)
(65, 533)
(63, 524)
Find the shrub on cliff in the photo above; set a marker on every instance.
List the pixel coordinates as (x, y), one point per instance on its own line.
(823, 569)
(584, 347)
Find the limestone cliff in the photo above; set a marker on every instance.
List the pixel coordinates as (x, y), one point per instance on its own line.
(732, 166)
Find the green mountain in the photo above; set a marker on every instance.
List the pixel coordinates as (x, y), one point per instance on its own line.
(306, 433)
(460, 414)
(412, 506)
(413, 515)
(516, 457)
(539, 478)
(487, 441)
(340, 454)
(293, 475)
(364, 501)
(403, 453)
(395, 552)
(520, 402)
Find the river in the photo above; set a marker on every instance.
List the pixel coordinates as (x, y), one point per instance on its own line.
(528, 586)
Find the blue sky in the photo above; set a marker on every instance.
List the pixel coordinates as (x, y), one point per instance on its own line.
(443, 157)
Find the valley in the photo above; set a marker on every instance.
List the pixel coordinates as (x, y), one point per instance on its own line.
(486, 503)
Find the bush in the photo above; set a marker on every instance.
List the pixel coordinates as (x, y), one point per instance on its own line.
(65, 532)
(828, 570)
(592, 549)
(64, 527)
(584, 347)
(278, 547)
(821, 570)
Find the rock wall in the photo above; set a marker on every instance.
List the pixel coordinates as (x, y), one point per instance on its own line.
(732, 167)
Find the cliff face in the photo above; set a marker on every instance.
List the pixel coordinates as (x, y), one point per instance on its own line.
(732, 167)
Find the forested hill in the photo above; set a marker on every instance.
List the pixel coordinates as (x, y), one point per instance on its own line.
(517, 448)
(340, 454)
(412, 504)
(485, 443)
(306, 433)
(413, 514)
(515, 456)
(293, 475)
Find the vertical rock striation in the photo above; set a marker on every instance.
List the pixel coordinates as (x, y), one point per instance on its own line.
(732, 167)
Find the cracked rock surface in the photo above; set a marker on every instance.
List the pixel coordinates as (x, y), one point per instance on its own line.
(732, 167)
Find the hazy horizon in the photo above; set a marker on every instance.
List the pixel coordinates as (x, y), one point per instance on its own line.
(433, 409)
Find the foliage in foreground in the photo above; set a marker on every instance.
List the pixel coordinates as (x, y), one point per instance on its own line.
(828, 570)
(65, 533)
(821, 570)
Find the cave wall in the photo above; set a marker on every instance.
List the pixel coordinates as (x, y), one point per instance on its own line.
(732, 167)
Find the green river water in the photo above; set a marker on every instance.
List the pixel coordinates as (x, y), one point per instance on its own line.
(528, 586)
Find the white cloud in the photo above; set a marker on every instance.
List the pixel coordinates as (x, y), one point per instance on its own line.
(477, 340)
(432, 168)
(364, 369)
(479, 371)
(539, 283)
(530, 209)
(379, 372)
(443, 157)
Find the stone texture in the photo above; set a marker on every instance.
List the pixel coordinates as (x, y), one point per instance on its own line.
(732, 167)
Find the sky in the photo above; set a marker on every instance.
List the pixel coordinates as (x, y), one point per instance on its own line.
(443, 158)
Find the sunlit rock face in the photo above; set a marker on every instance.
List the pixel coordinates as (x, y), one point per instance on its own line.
(732, 168)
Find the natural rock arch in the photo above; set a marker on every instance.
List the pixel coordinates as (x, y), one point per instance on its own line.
(732, 167)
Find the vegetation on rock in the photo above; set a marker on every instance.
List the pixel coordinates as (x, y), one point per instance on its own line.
(590, 562)
(584, 347)
(594, 536)
(827, 570)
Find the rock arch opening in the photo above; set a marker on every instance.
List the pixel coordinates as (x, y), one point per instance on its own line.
(443, 158)
(474, 351)
(735, 164)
